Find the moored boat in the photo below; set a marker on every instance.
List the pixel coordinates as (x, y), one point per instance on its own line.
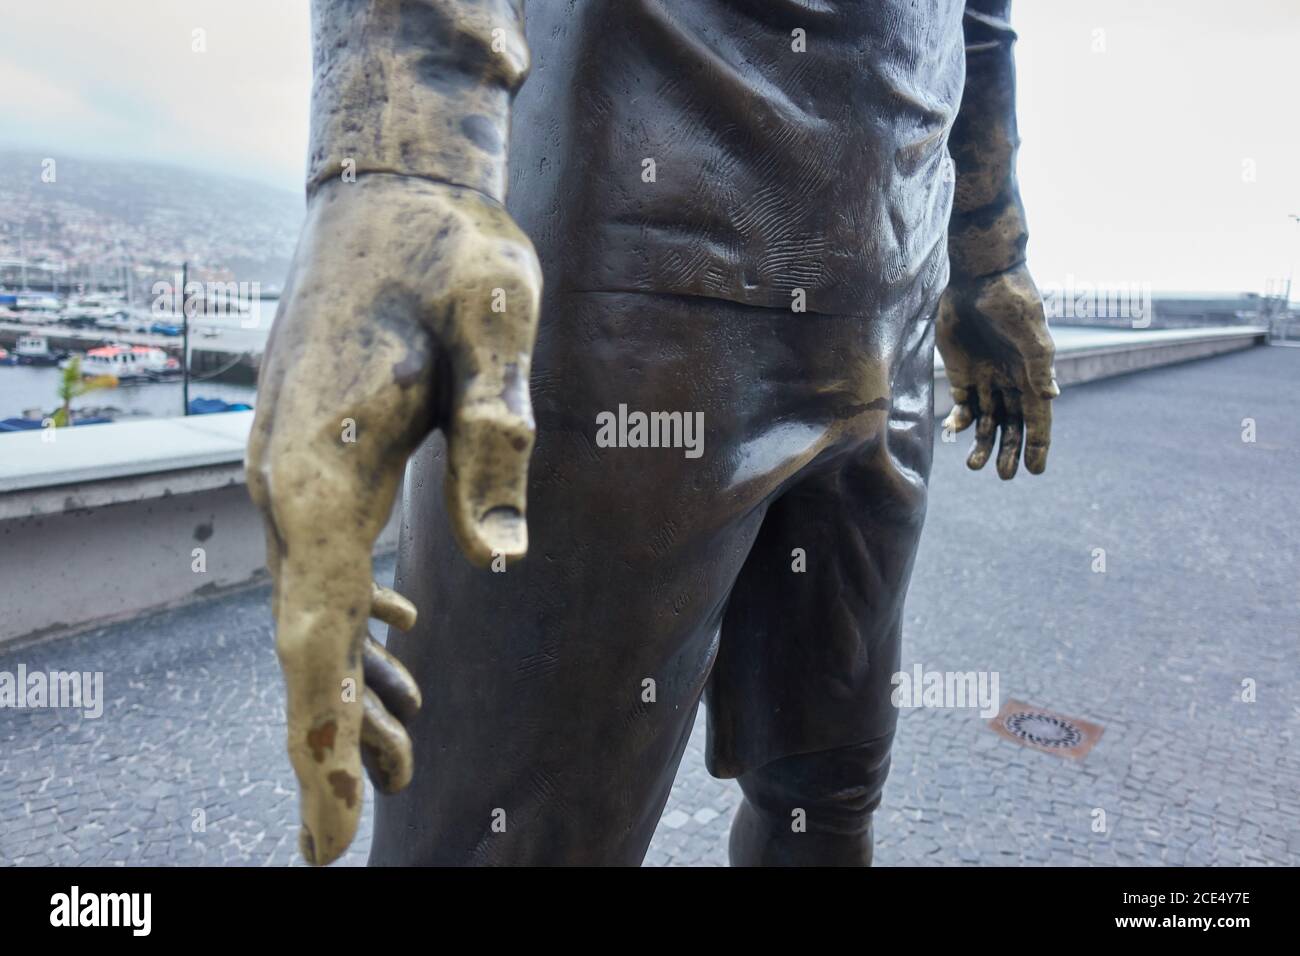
(125, 362)
(35, 350)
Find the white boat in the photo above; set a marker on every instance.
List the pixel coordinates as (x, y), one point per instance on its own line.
(121, 321)
(37, 302)
(104, 300)
(35, 350)
(128, 361)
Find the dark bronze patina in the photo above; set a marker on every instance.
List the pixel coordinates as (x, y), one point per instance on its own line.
(742, 210)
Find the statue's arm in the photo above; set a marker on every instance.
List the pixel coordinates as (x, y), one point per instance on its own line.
(992, 331)
(987, 232)
(415, 87)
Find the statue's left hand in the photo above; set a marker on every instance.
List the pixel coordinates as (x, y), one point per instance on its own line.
(998, 353)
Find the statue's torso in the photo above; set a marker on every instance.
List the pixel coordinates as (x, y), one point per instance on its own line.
(773, 170)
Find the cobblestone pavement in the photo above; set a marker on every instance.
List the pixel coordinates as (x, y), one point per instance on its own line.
(1201, 536)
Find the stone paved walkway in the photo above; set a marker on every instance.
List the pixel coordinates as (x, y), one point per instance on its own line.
(1201, 533)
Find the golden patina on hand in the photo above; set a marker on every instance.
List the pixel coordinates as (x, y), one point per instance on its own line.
(411, 305)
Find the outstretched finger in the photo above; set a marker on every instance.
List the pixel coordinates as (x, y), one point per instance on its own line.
(390, 680)
(490, 428)
(1012, 436)
(1038, 431)
(323, 600)
(986, 430)
(385, 747)
(391, 608)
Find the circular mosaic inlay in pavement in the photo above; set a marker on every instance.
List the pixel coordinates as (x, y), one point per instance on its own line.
(1043, 729)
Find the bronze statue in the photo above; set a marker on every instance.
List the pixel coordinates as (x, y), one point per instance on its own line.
(741, 213)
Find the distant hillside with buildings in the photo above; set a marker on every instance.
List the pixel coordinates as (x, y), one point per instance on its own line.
(88, 224)
(108, 223)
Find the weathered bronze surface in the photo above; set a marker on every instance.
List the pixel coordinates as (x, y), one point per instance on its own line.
(741, 210)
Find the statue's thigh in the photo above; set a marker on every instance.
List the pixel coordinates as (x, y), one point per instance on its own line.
(811, 639)
(559, 691)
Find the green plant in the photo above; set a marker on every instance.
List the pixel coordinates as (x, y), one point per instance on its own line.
(73, 385)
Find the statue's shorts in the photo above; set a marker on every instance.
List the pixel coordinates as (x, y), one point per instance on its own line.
(763, 570)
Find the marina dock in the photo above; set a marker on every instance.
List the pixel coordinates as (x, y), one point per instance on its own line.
(236, 352)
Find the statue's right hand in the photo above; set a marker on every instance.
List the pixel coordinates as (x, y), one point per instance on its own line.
(410, 305)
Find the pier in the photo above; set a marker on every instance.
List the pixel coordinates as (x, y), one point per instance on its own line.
(235, 355)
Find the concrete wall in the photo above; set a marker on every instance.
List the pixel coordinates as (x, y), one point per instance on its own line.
(102, 522)
(110, 544)
(97, 564)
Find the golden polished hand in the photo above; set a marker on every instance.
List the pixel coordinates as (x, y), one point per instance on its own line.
(410, 305)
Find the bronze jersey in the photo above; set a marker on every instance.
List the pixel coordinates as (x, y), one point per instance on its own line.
(776, 153)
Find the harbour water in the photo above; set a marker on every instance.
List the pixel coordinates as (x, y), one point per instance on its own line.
(24, 388)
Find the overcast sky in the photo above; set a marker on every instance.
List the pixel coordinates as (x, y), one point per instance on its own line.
(1160, 137)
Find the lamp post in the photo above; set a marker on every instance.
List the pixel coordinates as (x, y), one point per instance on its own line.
(185, 338)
